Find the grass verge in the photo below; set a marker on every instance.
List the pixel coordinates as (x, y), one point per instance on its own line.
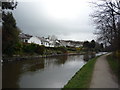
(83, 77)
(114, 64)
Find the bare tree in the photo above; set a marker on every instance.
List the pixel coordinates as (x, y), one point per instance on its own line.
(107, 20)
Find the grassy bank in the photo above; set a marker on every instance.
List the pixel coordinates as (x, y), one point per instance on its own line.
(83, 77)
(114, 64)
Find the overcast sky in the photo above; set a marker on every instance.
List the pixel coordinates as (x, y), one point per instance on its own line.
(66, 19)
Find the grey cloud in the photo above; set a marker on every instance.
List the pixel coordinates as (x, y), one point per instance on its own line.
(32, 19)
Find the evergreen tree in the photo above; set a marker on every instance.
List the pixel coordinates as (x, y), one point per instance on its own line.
(10, 31)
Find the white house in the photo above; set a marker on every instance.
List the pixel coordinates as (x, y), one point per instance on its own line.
(63, 43)
(51, 41)
(35, 40)
(71, 43)
(41, 41)
(24, 37)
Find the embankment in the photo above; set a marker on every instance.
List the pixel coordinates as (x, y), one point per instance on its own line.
(83, 77)
(31, 57)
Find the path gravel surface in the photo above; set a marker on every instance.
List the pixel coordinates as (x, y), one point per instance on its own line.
(102, 75)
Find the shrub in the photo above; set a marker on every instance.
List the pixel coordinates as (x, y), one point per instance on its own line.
(40, 49)
(29, 48)
(18, 48)
(62, 49)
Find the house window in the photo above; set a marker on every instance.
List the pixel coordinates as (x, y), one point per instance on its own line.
(26, 41)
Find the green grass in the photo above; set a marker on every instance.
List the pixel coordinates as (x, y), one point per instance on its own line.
(83, 77)
(114, 64)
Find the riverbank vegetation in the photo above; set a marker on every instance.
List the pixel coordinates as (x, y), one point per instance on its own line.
(114, 64)
(23, 49)
(83, 77)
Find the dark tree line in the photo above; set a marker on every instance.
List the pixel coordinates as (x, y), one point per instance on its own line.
(88, 44)
(107, 20)
(93, 46)
(10, 31)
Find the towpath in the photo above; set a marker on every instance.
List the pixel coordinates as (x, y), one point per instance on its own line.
(102, 75)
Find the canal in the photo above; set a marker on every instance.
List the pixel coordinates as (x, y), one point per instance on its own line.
(52, 72)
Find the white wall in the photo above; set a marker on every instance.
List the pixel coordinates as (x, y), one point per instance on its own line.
(46, 44)
(38, 41)
(34, 40)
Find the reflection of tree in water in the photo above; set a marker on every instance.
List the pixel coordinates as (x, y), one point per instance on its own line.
(33, 65)
(86, 57)
(92, 55)
(10, 75)
(37, 66)
(61, 59)
(55, 60)
(11, 72)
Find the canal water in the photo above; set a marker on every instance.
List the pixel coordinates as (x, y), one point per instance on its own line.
(52, 72)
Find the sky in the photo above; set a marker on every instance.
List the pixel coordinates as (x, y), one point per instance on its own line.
(66, 19)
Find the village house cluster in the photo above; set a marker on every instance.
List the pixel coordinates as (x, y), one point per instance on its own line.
(50, 41)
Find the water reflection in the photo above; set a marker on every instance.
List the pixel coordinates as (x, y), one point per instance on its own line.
(37, 66)
(53, 72)
(88, 56)
(10, 75)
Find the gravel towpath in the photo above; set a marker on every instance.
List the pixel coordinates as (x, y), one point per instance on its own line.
(102, 75)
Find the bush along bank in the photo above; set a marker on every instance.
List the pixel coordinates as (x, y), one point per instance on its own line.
(83, 77)
(24, 51)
